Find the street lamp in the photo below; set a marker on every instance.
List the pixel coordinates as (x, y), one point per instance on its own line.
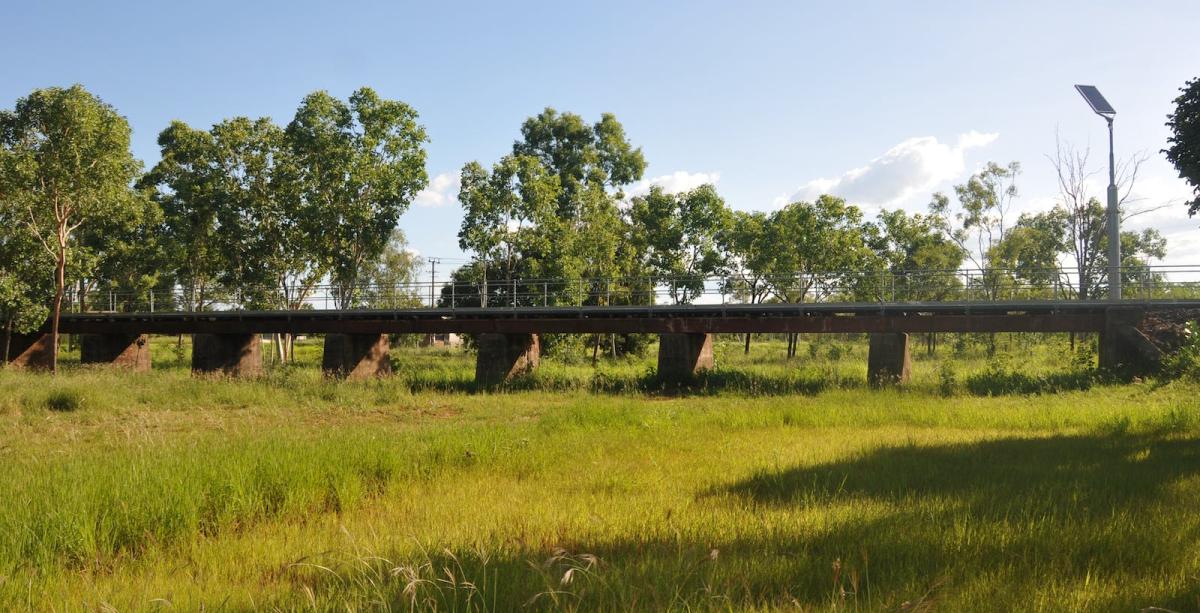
(1102, 108)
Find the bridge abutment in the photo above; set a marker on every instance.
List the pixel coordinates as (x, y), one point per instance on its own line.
(889, 361)
(356, 356)
(504, 356)
(237, 355)
(130, 351)
(30, 351)
(1124, 347)
(682, 356)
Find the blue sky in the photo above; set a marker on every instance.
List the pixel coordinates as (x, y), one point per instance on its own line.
(881, 102)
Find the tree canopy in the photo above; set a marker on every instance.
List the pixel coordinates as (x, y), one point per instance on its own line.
(67, 165)
(1184, 143)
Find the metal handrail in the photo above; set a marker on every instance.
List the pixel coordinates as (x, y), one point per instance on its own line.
(863, 286)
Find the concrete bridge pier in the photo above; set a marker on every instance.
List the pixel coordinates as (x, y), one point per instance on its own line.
(30, 351)
(682, 356)
(1124, 347)
(888, 361)
(356, 356)
(229, 354)
(130, 351)
(504, 356)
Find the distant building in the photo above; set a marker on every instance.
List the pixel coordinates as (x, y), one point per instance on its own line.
(441, 340)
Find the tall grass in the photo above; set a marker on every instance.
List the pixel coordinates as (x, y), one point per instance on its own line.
(295, 492)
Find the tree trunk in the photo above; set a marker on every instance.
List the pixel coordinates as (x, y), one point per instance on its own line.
(60, 279)
(595, 348)
(7, 341)
(747, 351)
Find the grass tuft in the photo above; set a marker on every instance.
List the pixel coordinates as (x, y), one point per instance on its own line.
(64, 400)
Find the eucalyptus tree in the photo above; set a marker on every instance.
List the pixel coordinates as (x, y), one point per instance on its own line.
(748, 253)
(264, 227)
(549, 209)
(357, 166)
(819, 248)
(24, 289)
(125, 257)
(919, 261)
(391, 276)
(1030, 251)
(67, 165)
(820, 251)
(185, 184)
(510, 223)
(981, 220)
(680, 236)
(583, 157)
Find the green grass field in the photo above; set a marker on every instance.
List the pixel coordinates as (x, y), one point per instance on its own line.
(771, 486)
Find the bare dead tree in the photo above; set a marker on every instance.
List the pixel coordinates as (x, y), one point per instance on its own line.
(1085, 214)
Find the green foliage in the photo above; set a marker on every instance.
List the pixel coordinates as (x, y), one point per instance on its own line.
(356, 166)
(1000, 379)
(66, 166)
(916, 253)
(1185, 360)
(1029, 250)
(980, 221)
(269, 212)
(187, 185)
(748, 251)
(679, 236)
(548, 210)
(1184, 143)
(387, 277)
(947, 379)
(816, 245)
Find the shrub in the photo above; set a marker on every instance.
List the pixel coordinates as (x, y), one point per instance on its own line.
(999, 380)
(947, 380)
(1184, 361)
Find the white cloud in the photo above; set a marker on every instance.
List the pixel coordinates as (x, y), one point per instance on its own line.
(442, 190)
(678, 181)
(909, 168)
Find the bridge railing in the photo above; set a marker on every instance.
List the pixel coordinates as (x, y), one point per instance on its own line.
(1140, 283)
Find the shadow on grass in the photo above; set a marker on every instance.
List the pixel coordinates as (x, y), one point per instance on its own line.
(706, 383)
(1012, 524)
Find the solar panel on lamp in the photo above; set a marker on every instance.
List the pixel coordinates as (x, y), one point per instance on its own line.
(1096, 100)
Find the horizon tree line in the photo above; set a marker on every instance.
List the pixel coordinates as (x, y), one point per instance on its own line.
(257, 214)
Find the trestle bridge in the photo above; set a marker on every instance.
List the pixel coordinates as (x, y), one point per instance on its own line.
(227, 334)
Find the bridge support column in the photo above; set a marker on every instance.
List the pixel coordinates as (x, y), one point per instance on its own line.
(682, 356)
(356, 356)
(30, 351)
(504, 356)
(130, 351)
(229, 354)
(1125, 348)
(888, 361)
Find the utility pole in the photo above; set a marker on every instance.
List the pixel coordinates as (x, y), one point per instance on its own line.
(433, 262)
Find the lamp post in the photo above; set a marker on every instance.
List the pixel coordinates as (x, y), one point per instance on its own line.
(1102, 108)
